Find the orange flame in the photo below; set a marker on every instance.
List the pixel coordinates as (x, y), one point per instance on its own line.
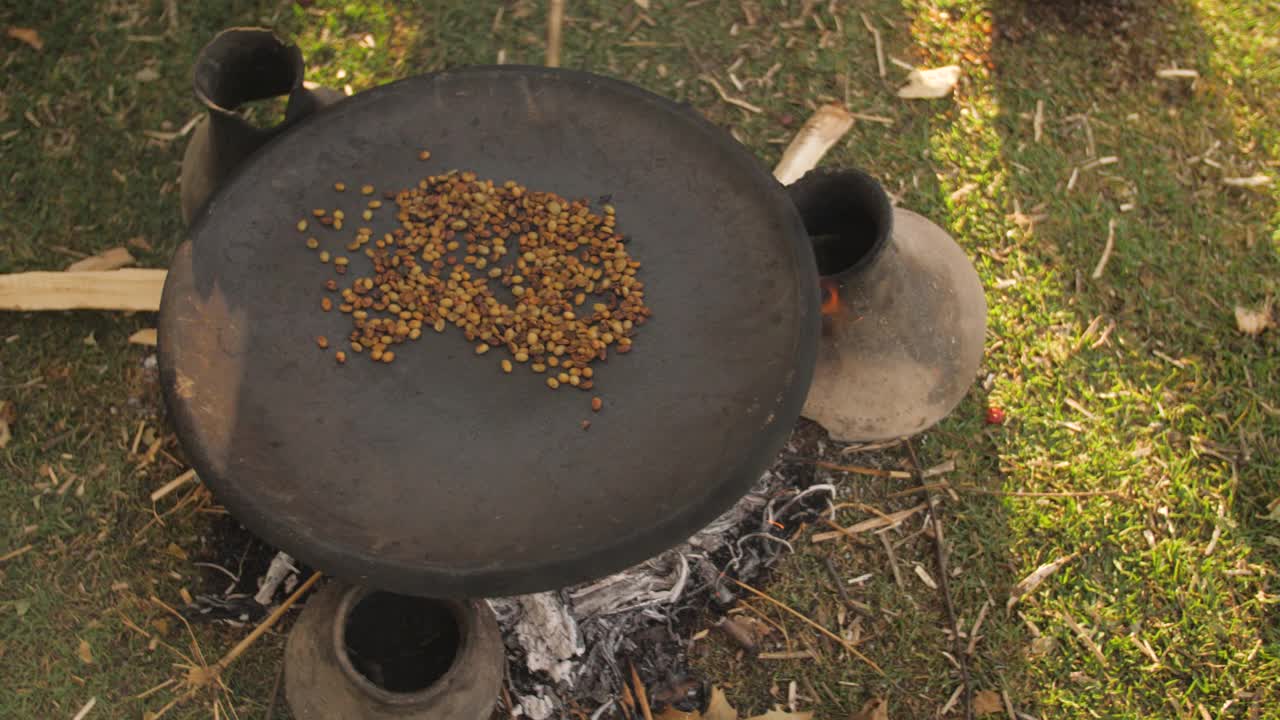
(830, 297)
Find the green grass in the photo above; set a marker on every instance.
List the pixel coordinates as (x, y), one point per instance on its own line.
(1179, 408)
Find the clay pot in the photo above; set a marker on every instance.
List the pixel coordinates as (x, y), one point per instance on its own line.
(362, 653)
(904, 315)
(239, 66)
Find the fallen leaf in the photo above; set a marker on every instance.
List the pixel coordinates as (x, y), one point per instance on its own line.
(141, 243)
(145, 336)
(719, 708)
(780, 715)
(90, 340)
(26, 35)
(873, 709)
(176, 552)
(1032, 581)
(8, 415)
(1253, 322)
(930, 83)
(987, 702)
(146, 75)
(85, 653)
(22, 606)
(113, 259)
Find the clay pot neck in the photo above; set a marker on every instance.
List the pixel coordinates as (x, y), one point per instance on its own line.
(242, 65)
(399, 650)
(848, 217)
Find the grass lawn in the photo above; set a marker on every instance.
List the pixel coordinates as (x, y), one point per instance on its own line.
(1133, 380)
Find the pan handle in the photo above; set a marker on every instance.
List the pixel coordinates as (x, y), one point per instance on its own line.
(848, 216)
(239, 66)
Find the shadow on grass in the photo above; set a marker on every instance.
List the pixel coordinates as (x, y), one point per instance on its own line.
(1171, 397)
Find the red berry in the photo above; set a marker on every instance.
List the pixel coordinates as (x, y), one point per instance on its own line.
(995, 416)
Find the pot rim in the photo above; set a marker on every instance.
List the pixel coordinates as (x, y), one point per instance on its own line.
(459, 610)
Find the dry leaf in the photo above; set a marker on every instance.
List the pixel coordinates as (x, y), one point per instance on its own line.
(987, 702)
(873, 709)
(146, 75)
(930, 83)
(8, 414)
(1253, 322)
(145, 336)
(671, 713)
(26, 35)
(141, 243)
(719, 707)
(113, 259)
(85, 653)
(780, 715)
(1032, 581)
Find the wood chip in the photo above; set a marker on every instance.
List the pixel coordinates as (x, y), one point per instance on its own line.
(555, 22)
(925, 577)
(1106, 251)
(1176, 74)
(952, 701)
(868, 525)
(875, 36)
(145, 336)
(8, 414)
(977, 625)
(26, 35)
(819, 134)
(930, 83)
(1252, 181)
(112, 259)
(729, 98)
(1084, 637)
(1033, 581)
(16, 553)
(893, 559)
(85, 709)
(794, 655)
(173, 484)
(85, 652)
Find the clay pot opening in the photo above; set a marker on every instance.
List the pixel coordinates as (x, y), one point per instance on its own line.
(400, 645)
(848, 218)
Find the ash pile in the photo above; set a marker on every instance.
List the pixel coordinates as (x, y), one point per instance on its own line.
(571, 648)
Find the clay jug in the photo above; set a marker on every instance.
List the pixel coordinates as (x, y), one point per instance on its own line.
(904, 315)
(239, 66)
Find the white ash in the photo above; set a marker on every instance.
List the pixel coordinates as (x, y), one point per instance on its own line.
(567, 644)
(281, 568)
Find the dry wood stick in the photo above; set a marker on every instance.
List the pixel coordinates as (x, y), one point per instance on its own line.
(128, 289)
(789, 610)
(555, 22)
(944, 586)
